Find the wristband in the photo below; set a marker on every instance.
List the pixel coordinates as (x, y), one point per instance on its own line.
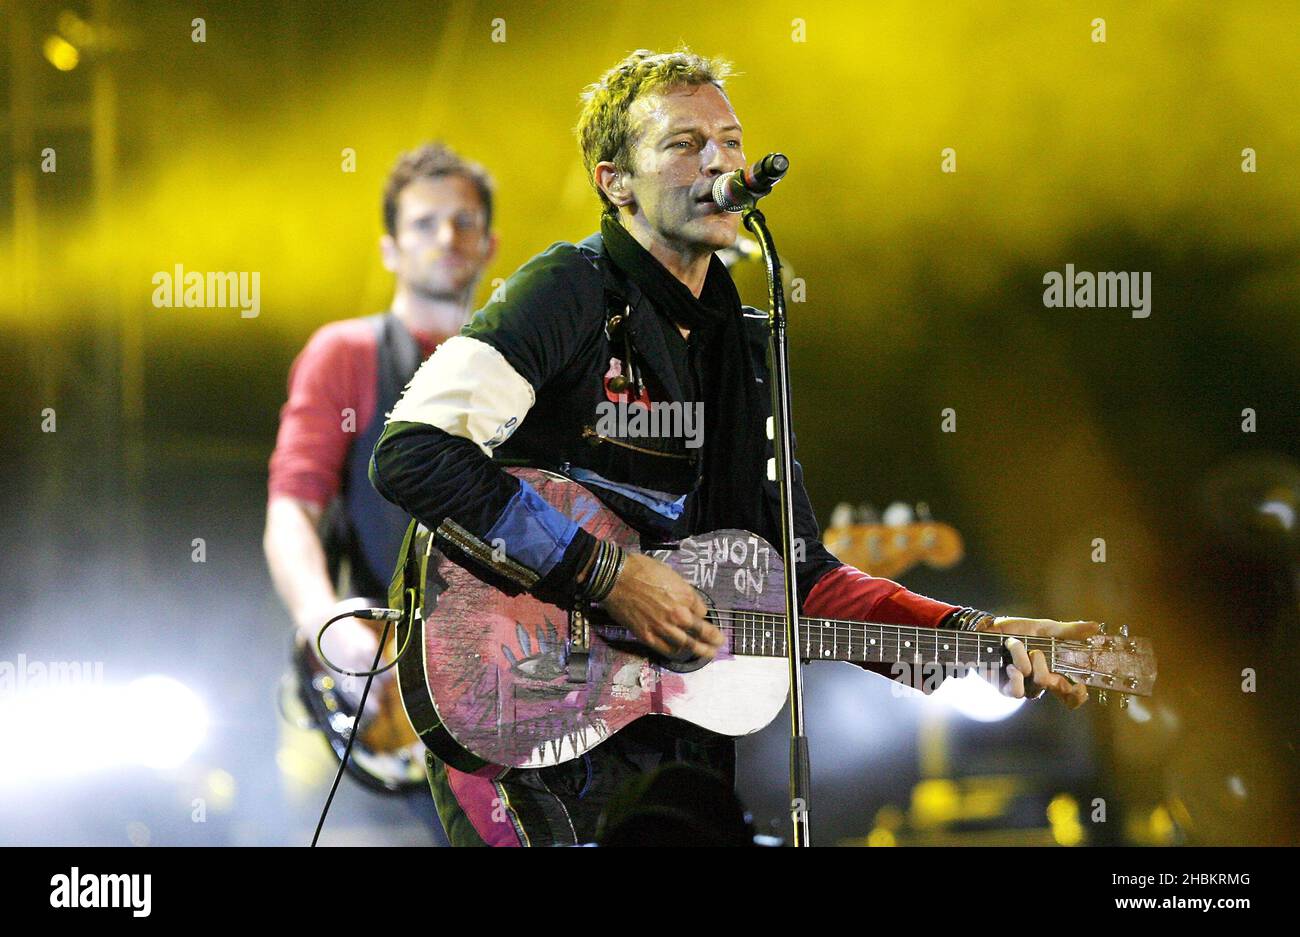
(967, 619)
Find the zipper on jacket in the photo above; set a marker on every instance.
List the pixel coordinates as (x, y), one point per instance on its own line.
(589, 433)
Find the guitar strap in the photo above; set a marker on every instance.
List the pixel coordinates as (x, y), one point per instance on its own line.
(358, 505)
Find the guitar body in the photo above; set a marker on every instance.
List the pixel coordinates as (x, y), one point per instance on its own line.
(489, 679)
(386, 756)
(493, 680)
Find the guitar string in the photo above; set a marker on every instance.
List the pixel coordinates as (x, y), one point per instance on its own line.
(746, 624)
(757, 616)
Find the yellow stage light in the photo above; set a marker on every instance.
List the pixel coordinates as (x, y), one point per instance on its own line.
(60, 53)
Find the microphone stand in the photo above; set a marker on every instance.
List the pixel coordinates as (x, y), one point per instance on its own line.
(782, 436)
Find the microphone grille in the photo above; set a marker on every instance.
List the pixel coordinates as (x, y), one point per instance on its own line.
(722, 195)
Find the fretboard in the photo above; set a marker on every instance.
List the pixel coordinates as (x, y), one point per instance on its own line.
(762, 634)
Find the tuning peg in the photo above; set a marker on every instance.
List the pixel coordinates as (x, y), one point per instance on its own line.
(897, 514)
(1102, 629)
(1102, 697)
(842, 516)
(1123, 701)
(1123, 631)
(867, 514)
(923, 511)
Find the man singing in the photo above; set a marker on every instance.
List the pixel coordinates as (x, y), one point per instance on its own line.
(641, 312)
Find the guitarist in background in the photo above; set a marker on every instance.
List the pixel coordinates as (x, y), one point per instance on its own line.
(321, 509)
(640, 313)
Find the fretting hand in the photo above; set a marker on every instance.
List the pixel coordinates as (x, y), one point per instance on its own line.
(1028, 673)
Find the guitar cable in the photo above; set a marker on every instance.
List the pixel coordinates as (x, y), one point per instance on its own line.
(387, 616)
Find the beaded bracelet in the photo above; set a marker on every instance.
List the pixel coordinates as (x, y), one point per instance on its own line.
(967, 619)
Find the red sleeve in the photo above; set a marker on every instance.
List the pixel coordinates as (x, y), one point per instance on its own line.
(849, 593)
(335, 372)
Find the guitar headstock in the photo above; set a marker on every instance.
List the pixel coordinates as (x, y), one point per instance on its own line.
(890, 550)
(1110, 663)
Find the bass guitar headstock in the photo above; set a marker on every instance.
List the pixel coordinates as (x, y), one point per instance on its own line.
(906, 538)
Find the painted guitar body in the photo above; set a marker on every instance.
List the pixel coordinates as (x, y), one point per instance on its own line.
(493, 677)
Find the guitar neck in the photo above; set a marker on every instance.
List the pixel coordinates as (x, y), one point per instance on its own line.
(762, 634)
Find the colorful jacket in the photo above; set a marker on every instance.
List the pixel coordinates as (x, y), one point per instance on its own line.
(529, 381)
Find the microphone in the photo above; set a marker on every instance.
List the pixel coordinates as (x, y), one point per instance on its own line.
(738, 190)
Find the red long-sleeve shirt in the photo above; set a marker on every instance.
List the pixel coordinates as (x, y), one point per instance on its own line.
(851, 594)
(335, 372)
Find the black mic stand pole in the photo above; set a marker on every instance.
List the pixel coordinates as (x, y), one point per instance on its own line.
(778, 352)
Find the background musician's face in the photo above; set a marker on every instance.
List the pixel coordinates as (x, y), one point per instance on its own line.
(685, 138)
(441, 243)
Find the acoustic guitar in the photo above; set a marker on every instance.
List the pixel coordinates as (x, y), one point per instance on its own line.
(494, 679)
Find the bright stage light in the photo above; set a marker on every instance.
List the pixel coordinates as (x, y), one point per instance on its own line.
(975, 698)
(165, 721)
(60, 53)
(156, 722)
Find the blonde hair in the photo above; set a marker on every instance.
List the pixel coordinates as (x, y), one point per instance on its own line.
(604, 131)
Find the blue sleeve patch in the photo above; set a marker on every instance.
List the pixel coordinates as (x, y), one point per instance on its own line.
(534, 533)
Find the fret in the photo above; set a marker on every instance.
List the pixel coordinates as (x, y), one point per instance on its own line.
(762, 634)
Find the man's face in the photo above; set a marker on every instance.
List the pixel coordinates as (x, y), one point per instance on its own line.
(442, 244)
(685, 138)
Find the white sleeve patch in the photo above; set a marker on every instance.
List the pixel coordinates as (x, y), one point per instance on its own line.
(468, 389)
